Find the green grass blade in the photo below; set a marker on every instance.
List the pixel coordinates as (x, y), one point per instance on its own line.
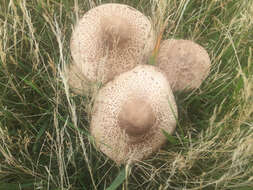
(173, 140)
(152, 60)
(11, 186)
(118, 180)
(39, 135)
(33, 86)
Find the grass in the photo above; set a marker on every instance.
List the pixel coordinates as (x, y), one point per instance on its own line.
(44, 128)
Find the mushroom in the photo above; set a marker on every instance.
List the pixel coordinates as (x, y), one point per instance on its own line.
(131, 114)
(108, 40)
(185, 63)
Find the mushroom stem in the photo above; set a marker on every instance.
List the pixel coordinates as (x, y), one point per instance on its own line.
(136, 117)
(117, 31)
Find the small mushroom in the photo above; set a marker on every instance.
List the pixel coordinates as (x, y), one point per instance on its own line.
(108, 40)
(185, 63)
(131, 113)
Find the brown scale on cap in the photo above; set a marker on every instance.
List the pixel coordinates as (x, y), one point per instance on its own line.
(185, 63)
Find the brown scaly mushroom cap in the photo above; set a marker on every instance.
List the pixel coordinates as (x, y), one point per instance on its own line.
(131, 112)
(110, 39)
(185, 63)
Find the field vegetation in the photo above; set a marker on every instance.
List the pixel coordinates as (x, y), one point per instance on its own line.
(44, 127)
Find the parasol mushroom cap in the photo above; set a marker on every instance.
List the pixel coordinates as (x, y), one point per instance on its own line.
(110, 39)
(185, 63)
(131, 112)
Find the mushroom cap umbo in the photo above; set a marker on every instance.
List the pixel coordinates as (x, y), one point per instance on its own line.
(185, 63)
(111, 39)
(131, 112)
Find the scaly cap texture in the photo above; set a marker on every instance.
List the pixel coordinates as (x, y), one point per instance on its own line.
(110, 39)
(142, 89)
(185, 63)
